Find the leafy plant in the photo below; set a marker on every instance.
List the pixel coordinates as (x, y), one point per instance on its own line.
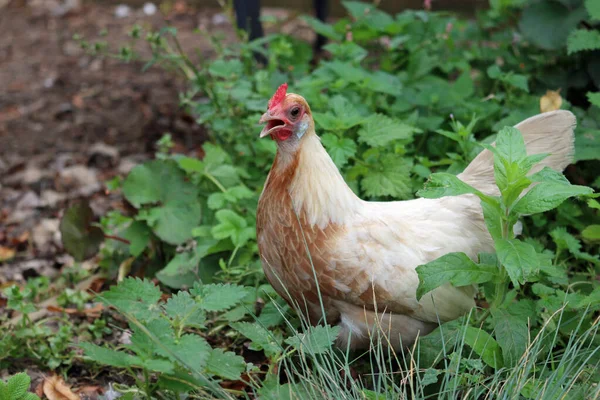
(16, 388)
(516, 261)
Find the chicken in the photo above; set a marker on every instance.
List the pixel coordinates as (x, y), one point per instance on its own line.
(364, 253)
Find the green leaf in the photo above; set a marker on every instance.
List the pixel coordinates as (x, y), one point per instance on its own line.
(219, 297)
(178, 381)
(382, 82)
(583, 40)
(492, 215)
(271, 316)
(17, 385)
(519, 258)
(261, 338)
(358, 9)
(547, 24)
(106, 356)
(180, 271)
(547, 174)
(316, 340)
(134, 296)
(192, 350)
(391, 177)
(516, 80)
(138, 235)
(380, 130)
(510, 145)
(228, 69)
(322, 29)
(441, 184)
(271, 389)
(232, 226)
(342, 116)
(566, 241)
(512, 335)
(349, 51)
(592, 300)
(189, 164)
(485, 346)
(347, 71)
(594, 98)
(455, 268)
(440, 342)
(182, 308)
(216, 201)
(587, 144)
(548, 195)
(176, 208)
(340, 149)
(593, 9)
(150, 337)
(227, 365)
(591, 233)
(80, 238)
(430, 376)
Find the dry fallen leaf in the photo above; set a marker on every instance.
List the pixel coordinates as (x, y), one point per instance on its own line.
(55, 388)
(551, 101)
(91, 391)
(92, 312)
(6, 253)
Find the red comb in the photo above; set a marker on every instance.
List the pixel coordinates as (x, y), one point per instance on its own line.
(278, 96)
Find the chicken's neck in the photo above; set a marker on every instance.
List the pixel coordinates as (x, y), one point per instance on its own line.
(316, 187)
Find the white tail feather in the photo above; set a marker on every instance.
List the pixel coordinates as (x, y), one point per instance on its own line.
(550, 133)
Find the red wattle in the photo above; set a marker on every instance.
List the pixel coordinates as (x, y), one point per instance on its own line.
(283, 134)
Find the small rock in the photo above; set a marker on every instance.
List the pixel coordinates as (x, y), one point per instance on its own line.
(72, 48)
(111, 394)
(62, 161)
(16, 271)
(103, 156)
(122, 11)
(19, 216)
(32, 175)
(65, 7)
(127, 165)
(28, 201)
(51, 198)
(46, 234)
(219, 19)
(49, 82)
(125, 337)
(79, 175)
(149, 9)
(95, 65)
(88, 190)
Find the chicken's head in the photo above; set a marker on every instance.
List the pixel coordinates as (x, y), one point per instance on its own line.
(287, 119)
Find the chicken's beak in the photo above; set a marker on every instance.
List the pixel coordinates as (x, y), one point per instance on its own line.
(273, 123)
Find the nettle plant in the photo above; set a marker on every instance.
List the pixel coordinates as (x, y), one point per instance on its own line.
(15, 388)
(169, 342)
(519, 265)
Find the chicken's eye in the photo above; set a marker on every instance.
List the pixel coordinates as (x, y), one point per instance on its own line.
(294, 112)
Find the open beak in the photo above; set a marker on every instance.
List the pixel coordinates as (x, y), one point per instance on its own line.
(273, 123)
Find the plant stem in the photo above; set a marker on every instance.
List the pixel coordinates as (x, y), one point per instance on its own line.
(215, 181)
(119, 239)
